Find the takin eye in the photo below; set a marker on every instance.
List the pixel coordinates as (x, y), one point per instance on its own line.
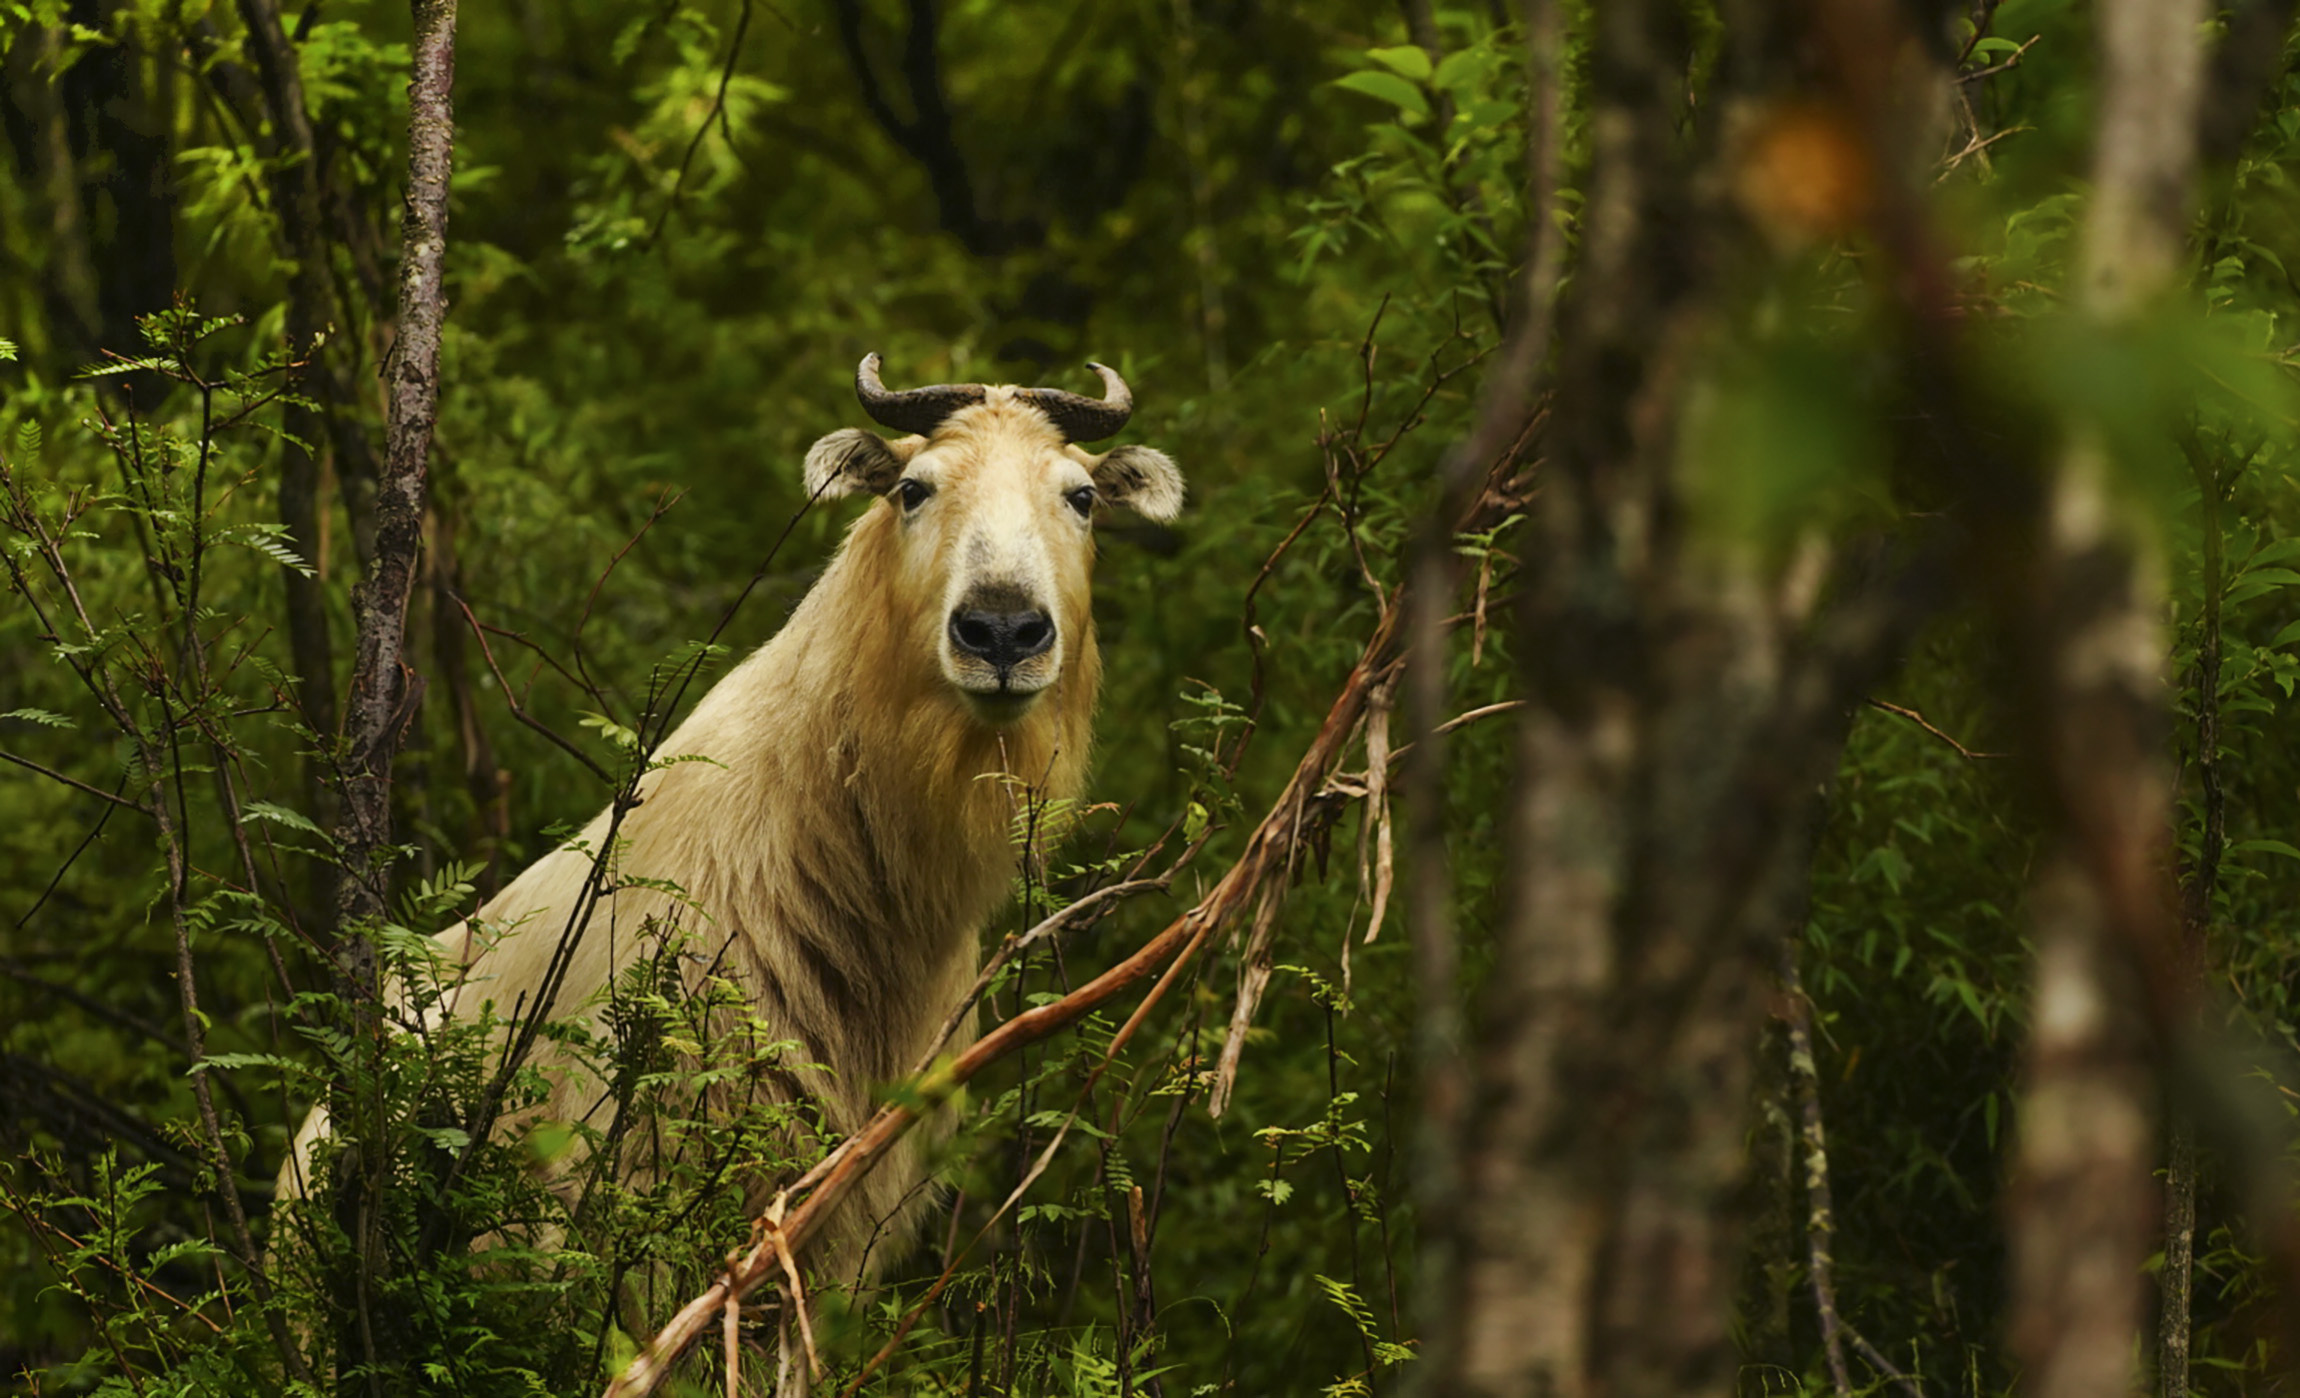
(912, 494)
(1082, 500)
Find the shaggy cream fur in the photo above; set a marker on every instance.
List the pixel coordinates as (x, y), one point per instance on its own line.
(851, 831)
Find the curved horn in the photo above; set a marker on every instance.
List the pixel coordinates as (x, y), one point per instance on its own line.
(1083, 419)
(919, 410)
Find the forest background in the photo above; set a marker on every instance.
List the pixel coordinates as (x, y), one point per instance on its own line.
(1850, 452)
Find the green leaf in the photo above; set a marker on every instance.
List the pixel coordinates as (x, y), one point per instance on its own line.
(279, 815)
(40, 716)
(449, 1138)
(230, 1061)
(1390, 88)
(1459, 70)
(266, 539)
(2264, 847)
(614, 732)
(1407, 60)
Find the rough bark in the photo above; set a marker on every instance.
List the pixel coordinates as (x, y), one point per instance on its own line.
(2103, 908)
(385, 687)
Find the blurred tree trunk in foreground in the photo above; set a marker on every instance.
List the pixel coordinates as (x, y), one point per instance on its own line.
(2099, 714)
(1688, 701)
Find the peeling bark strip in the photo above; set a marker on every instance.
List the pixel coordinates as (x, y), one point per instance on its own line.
(2104, 908)
(383, 687)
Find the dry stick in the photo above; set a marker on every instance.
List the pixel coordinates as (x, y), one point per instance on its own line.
(1058, 921)
(109, 797)
(731, 1330)
(1820, 1218)
(1922, 722)
(1269, 849)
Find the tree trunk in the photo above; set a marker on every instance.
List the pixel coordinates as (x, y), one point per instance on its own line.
(1683, 710)
(384, 685)
(2082, 1194)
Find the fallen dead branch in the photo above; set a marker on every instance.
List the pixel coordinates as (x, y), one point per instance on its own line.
(1295, 815)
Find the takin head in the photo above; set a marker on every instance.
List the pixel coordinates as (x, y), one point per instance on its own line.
(994, 504)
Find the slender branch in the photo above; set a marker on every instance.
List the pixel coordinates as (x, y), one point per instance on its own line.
(1922, 722)
(1095, 903)
(519, 710)
(112, 798)
(1812, 1134)
(716, 114)
(1820, 1218)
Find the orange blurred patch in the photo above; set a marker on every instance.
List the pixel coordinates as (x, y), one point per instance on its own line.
(1804, 176)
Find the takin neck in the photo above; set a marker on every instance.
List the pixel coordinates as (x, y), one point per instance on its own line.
(858, 824)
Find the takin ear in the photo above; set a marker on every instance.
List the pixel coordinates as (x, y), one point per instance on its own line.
(851, 460)
(1143, 479)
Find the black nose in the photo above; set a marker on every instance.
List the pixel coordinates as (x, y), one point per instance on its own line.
(1003, 639)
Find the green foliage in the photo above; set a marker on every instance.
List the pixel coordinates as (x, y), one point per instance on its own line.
(676, 228)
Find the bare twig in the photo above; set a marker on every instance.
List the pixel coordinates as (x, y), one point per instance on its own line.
(1978, 145)
(1820, 1218)
(108, 797)
(519, 710)
(703, 128)
(1922, 722)
(731, 1333)
(1095, 903)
